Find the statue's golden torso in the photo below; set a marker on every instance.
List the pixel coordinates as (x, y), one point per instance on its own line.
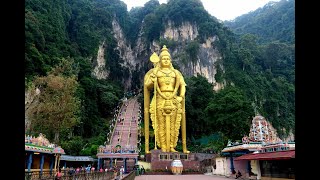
(166, 80)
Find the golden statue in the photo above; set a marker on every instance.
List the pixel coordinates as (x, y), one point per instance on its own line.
(167, 107)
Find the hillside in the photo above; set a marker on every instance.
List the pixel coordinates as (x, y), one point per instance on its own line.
(274, 21)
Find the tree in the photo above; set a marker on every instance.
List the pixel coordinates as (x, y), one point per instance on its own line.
(58, 106)
(217, 143)
(73, 146)
(230, 112)
(249, 41)
(193, 49)
(198, 94)
(246, 57)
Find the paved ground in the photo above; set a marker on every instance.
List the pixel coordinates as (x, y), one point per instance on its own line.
(180, 177)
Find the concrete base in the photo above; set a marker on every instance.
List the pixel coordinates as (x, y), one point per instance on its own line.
(162, 160)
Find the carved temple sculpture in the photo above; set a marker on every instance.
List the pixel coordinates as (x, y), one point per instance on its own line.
(167, 107)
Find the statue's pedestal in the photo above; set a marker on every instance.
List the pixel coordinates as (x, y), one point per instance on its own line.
(162, 160)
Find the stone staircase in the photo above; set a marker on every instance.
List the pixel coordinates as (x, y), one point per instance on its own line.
(126, 129)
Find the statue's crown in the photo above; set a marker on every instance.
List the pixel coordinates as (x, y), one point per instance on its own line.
(164, 51)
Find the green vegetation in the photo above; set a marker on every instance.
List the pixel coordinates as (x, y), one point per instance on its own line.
(58, 106)
(262, 63)
(192, 49)
(72, 30)
(274, 21)
(233, 125)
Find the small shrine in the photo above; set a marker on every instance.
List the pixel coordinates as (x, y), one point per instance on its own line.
(262, 131)
(41, 155)
(262, 140)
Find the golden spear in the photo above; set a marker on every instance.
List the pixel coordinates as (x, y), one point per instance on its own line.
(154, 58)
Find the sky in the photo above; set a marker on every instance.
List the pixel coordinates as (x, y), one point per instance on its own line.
(221, 9)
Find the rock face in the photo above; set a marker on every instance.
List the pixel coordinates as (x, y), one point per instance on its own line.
(137, 58)
(100, 71)
(30, 100)
(186, 32)
(131, 57)
(124, 47)
(207, 56)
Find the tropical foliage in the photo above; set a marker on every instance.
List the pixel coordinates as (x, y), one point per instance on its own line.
(58, 106)
(274, 21)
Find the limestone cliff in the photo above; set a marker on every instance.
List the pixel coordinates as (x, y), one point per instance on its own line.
(185, 32)
(137, 57)
(100, 71)
(31, 99)
(207, 57)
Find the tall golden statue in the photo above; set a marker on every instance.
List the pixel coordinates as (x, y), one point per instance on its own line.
(167, 107)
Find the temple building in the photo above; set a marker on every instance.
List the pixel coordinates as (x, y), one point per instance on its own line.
(258, 154)
(112, 157)
(262, 131)
(42, 158)
(68, 161)
(274, 160)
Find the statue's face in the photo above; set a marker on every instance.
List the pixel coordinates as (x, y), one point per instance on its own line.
(165, 61)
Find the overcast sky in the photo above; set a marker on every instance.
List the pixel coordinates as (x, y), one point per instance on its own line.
(221, 9)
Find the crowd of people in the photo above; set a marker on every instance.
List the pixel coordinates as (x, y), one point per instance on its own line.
(119, 119)
(118, 172)
(83, 169)
(118, 149)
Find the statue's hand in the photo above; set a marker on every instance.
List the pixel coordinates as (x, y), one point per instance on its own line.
(179, 98)
(153, 77)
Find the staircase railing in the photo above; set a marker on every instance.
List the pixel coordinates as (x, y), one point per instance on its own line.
(115, 123)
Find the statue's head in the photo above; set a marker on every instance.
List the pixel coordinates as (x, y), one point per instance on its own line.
(165, 57)
(165, 52)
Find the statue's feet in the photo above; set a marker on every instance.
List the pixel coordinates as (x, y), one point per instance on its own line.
(163, 150)
(186, 151)
(173, 150)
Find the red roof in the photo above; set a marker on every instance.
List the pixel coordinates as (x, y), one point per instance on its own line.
(268, 155)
